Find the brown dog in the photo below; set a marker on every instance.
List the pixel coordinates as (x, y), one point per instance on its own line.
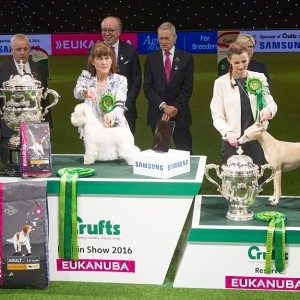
(283, 156)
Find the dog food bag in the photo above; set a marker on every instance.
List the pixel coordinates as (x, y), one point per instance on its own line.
(24, 235)
(35, 154)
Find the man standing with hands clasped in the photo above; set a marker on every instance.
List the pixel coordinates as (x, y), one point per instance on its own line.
(168, 86)
(128, 62)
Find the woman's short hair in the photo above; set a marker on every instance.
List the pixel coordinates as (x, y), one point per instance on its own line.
(244, 38)
(98, 50)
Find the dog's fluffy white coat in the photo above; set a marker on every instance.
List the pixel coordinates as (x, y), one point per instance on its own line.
(103, 143)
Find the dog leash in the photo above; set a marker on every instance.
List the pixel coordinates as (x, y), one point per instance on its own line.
(276, 234)
(68, 237)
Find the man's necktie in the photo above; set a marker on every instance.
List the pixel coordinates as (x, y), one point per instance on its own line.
(167, 65)
(114, 53)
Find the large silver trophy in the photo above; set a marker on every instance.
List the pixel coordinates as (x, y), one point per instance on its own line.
(22, 96)
(239, 184)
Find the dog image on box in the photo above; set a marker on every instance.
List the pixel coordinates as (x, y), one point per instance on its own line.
(22, 238)
(103, 143)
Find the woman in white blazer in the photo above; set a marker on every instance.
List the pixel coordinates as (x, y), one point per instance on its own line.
(234, 108)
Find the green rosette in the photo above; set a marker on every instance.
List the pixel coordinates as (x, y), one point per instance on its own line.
(81, 172)
(107, 102)
(68, 239)
(255, 86)
(276, 237)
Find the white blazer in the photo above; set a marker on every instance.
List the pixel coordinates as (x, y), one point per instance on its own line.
(226, 104)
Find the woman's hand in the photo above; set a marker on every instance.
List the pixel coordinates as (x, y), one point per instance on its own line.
(265, 114)
(108, 120)
(232, 139)
(89, 93)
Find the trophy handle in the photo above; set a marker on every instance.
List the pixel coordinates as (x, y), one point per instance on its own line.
(263, 168)
(54, 102)
(216, 167)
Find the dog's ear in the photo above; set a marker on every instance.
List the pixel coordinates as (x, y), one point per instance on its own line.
(260, 127)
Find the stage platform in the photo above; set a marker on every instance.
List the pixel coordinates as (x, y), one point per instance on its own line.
(222, 253)
(128, 224)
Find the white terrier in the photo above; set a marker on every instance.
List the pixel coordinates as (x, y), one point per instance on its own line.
(103, 143)
(22, 239)
(283, 156)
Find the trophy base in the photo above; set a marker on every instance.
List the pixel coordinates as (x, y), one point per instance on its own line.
(240, 215)
(10, 171)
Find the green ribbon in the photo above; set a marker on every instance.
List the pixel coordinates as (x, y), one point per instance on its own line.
(107, 102)
(276, 235)
(68, 239)
(255, 86)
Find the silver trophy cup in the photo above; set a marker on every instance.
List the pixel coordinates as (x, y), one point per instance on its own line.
(239, 184)
(22, 96)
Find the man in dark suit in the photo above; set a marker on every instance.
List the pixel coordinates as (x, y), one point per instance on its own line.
(128, 63)
(169, 99)
(20, 48)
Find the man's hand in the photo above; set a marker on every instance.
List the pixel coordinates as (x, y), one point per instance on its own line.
(171, 111)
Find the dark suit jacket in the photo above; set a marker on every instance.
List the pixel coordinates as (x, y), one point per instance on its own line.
(130, 67)
(176, 92)
(8, 68)
(260, 67)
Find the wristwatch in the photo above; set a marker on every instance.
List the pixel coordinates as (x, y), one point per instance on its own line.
(162, 106)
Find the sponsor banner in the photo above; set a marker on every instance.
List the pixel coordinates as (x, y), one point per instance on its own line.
(193, 42)
(276, 40)
(262, 283)
(79, 43)
(37, 40)
(120, 245)
(199, 41)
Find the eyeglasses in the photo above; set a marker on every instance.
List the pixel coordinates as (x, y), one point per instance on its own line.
(110, 31)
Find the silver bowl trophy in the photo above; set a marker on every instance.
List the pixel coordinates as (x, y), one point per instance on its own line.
(239, 184)
(22, 96)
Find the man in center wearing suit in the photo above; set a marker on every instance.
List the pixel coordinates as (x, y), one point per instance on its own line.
(169, 98)
(128, 62)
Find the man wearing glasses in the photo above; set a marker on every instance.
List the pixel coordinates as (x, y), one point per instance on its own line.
(128, 62)
(20, 49)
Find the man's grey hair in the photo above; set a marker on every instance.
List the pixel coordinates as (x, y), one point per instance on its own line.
(167, 25)
(18, 36)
